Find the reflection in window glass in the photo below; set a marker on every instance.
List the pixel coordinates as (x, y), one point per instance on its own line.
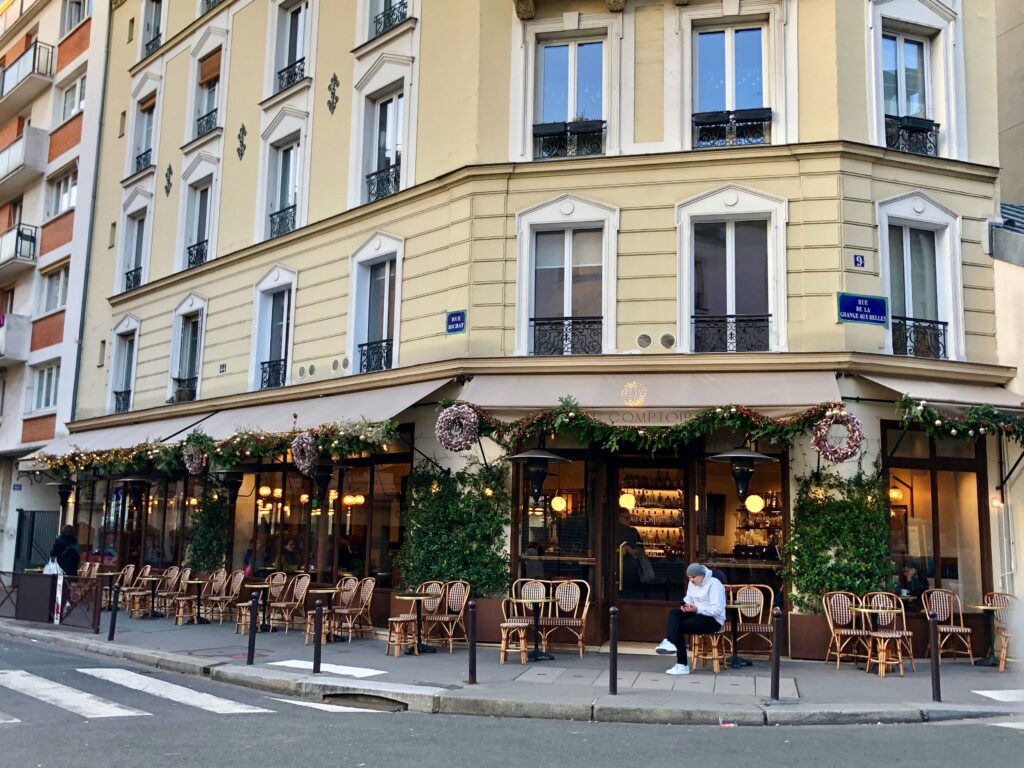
(589, 87)
(897, 276)
(751, 268)
(555, 528)
(913, 65)
(924, 289)
(890, 76)
(910, 528)
(586, 273)
(555, 86)
(912, 445)
(749, 81)
(959, 535)
(354, 523)
(549, 275)
(711, 71)
(389, 497)
(709, 269)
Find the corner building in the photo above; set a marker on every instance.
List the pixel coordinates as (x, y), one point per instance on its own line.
(310, 211)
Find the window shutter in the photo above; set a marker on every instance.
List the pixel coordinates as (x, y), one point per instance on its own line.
(209, 68)
(148, 103)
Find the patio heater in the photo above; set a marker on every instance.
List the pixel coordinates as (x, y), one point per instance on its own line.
(64, 490)
(742, 461)
(536, 462)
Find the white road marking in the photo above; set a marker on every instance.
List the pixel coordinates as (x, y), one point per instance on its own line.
(1008, 695)
(8, 719)
(326, 707)
(176, 693)
(1016, 726)
(333, 669)
(65, 697)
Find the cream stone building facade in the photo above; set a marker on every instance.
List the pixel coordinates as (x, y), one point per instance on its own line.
(345, 209)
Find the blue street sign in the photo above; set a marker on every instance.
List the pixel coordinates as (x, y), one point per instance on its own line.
(872, 310)
(455, 322)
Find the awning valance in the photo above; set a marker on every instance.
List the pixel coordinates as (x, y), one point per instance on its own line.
(951, 393)
(124, 436)
(659, 399)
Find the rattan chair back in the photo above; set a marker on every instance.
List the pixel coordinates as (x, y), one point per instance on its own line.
(347, 587)
(457, 596)
(945, 604)
(1004, 601)
(751, 601)
(277, 581)
(839, 609)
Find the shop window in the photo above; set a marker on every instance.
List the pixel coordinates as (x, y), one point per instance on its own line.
(651, 547)
(729, 88)
(555, 528)
(569, 112)
(388, 502)
(566, 316)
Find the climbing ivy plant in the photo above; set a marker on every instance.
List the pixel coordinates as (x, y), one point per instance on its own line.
(208, 529)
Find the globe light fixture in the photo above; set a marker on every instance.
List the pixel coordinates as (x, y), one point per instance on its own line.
(558, 503)
(265, 491)
(627, 501)
(895, 495)
(754, 503)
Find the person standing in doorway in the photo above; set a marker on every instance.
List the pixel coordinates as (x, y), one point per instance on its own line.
(702, 612)
(628, 541)
(65, 550)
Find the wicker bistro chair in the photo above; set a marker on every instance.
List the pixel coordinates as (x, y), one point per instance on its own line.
(517, 618)
(186, 602)
(889, 639)
(1003, 622)
(123, 580)
(847, 637)
(222, 600)
(753, 617)
(568, 612)
(277, 581)
(137, 596)
(402, 628)
(705, 648)
(355, 617)
(451, 617)
(946, 605)
(294, 601)
(167, 590)
(181, 592)
(344, 590)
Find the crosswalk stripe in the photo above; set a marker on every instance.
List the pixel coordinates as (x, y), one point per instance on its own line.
(1008, 695)
(1016, 726)
(63, 696)
(177, 693)
(326, 707)
(8, 719)
(331, 669)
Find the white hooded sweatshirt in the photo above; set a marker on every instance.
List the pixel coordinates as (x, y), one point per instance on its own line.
(708, 596)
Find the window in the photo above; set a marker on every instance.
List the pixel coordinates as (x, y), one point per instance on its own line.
(386, 14)
(144, 133)
(283, 188)
(186, 376)
(124, 371)
(567, 292)
(73, 99)
(276, 332)
(291, 45)
(55, 289)
(913, 293)
(905, 95)
(386, 171)
(730, 286)
(728, 88)
(153, 19)
(376, 353)
(570, 99)
(63, 192)
(74, 13)
(198, 224)
(135, 251)
(206, 99)
(45, 385)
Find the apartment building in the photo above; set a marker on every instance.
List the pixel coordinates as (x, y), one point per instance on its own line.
(310, 211)
(52, 68)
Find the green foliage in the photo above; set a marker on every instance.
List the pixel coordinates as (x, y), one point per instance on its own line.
(456, 528)
(208, 529)
(839, 539)
(975, 421)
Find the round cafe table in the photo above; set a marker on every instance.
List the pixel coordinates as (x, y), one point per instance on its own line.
(990, 626)
(536, 602)
(874, 613)
(329, 591)
(199, 600)
(263, 587)
(736, 661)
(418, 598)
(153, 581)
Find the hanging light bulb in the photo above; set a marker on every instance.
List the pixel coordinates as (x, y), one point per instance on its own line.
(754, 503)
(627, 501)
(895, 495)
(558, 503)
(265, 491)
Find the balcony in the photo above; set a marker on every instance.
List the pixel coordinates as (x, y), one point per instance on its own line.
(740, 127)
(915, 135)
(209, 5)
(122, 401)
(272, 373)
(914, 337)
(390, 18)
(15, 333)
(583, 138)
(567, 335)
(184, 389)
(196, 255)
(23, 162)
(17, 250)
(151, 45)
(282, 222)
(383, 183)
(206, 123)
(375, 356)
(27, 78)
(132, 279)
(731, 333)
(291, 74)
(144, 160)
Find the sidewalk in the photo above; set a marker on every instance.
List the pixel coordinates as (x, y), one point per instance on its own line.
(567, 688)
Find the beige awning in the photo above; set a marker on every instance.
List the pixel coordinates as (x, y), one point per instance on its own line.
(124, 436)
(371, 405)
(949, 393)
(654, 399)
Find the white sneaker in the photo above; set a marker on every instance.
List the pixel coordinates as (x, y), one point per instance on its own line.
(678, 669)
(665, 647)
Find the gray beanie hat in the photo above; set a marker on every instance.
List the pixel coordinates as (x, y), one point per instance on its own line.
(694, 569)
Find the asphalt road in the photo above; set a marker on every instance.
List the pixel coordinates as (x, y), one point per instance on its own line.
(120, 714)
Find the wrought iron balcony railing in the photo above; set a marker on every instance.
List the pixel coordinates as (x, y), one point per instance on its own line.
(375, 356)
(197, 254)
(579, 139)
(731, 333)
(272, 373)
(912, 134)
(143, 160)
(567, 335)
(122, 401)
(383, 183)
(291, 74)
(185, 389)
(209, 5)
(151, 45)
(390, 18)
(282, 222)
(133, 279)
(915, 337)
(738, 127)
(206, 123)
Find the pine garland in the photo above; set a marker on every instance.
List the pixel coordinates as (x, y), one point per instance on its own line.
(975, 421)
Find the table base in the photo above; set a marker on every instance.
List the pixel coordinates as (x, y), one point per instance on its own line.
(539, 656)
(423, 648)
(738, 662)
(193, 622)
(988, 661)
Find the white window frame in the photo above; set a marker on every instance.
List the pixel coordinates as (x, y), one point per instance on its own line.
(918, 211)
(734, 203)
(277, 36)
(192, 305)
(730, 31)
(65, 15)
(278, 279)
(290, 125)
(147, 85)
(139, 202)
(901, 74)
(52, 390)
(204, 167)
(62, 275)
(390, 80)
(145, 16)
(212, 38)
(566, 212)
(572, 75)
(63, 185)
(129, 325)
(381, 246)
(78, 86)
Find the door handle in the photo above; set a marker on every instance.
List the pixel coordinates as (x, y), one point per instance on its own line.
(622, 548)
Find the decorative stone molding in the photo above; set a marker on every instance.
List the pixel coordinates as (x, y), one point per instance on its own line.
(615, 6)
(525, 9)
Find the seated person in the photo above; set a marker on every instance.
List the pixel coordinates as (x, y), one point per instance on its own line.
(702, 612)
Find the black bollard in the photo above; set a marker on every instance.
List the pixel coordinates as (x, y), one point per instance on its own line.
(318, 627)
(254, 616)
(471, 641)
(116, 598)
(776, 650)
(613, 650)
(933, 638)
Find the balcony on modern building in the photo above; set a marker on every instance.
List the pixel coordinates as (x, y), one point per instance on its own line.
(14, 11)
(375, 356)
(915, 337)
(567, 335)
(122, 401)
(18, 248)
(23, 162)
(15, 332)
(27, 78)
(383, 183)
(184, 389)
(390, 17)
(731, 333)
(739, 127)
(272, 373)
(916, 135)
(582, 138)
